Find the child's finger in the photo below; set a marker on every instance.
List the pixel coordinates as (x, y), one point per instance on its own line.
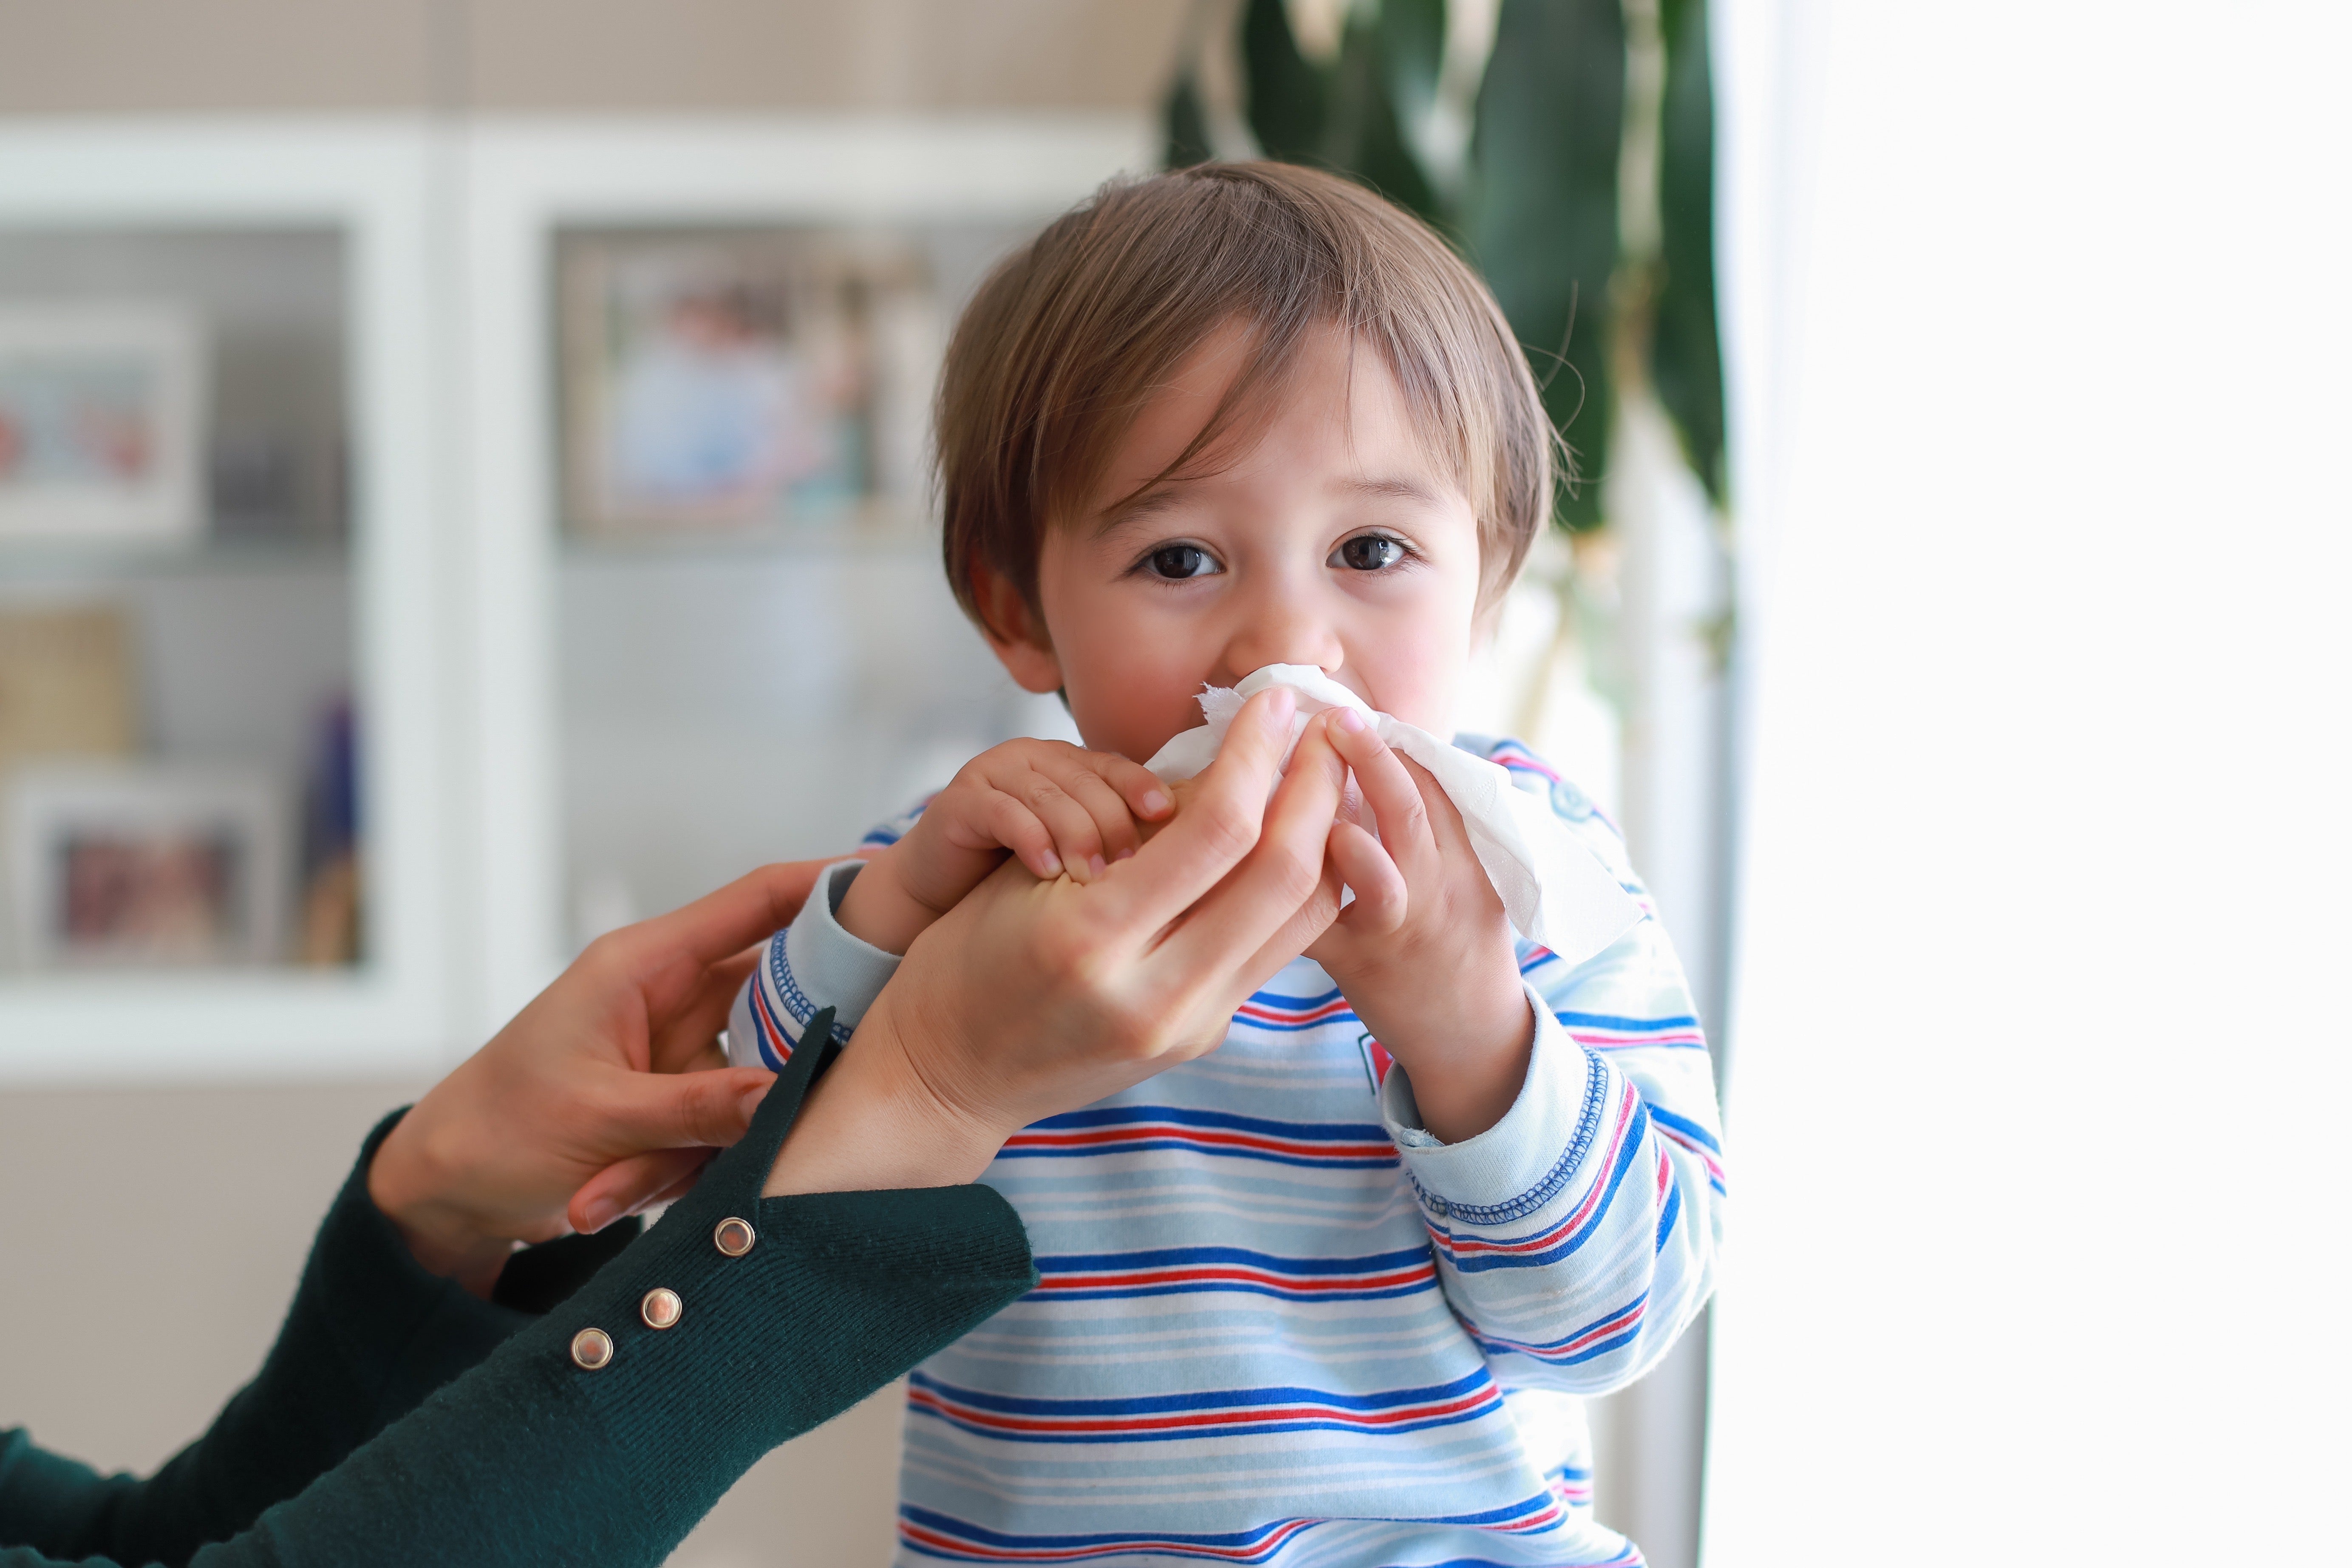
(1398, 807)
(1145, 793)
(1114, 824)
(1016, 828)
(1446, 828)
(1379, 888)
(1076, 838)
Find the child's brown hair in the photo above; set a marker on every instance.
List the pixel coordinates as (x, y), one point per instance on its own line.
(1070, 336)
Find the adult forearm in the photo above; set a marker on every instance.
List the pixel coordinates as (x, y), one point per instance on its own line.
(370, 1334)
(595, 1436)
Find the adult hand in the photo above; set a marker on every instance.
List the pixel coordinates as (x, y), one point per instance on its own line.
(589, 1105)
(1030, 998)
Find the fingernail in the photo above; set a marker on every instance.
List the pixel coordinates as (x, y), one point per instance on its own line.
(1154, 802)
(1124, 854)
(1352, 722)
(1285, 703)
(1053, 864)
(1095, 864)
(752, 1099)
(599, 1215)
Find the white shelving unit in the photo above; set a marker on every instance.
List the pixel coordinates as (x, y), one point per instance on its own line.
(455, 562)
(524, 179)
(373, 183)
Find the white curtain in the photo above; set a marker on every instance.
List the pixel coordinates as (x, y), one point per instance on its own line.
(2041, 331)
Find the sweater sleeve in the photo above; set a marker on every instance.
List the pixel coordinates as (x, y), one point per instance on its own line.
(369, 1335)
(1578, 1234)
(594, 1436)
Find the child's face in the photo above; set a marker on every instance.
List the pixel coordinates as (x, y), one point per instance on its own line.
(1334, 540)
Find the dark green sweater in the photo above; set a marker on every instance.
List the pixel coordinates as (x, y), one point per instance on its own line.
(342, 1452)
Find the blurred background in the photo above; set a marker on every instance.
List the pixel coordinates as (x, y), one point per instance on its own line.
(462, 490)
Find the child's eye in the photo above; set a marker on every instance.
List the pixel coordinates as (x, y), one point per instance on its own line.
(1370, 552)
(1178, 562)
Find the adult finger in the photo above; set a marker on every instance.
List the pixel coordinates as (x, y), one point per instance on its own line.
(716, 925)
(637, 1111)
(688, 1039)
(1217, 827)
(627, 1187)
(1308, 925)
(1282, 874)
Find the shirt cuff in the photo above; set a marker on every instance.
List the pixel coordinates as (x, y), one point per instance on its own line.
(812, 963)
(1516, 1166)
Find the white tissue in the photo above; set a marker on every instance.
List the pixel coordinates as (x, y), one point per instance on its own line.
(1556, 891)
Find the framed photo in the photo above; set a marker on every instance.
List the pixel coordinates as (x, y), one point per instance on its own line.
(100, 423)
(734, 378)
(68, 682)
(164, 866)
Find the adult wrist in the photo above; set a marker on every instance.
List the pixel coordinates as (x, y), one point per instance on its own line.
(874, 1121)
(409, 1182)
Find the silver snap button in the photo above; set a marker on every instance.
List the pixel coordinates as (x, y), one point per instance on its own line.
(592, 1349)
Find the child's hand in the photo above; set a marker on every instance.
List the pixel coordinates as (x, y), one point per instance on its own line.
(1425, 955)
(1061, 811)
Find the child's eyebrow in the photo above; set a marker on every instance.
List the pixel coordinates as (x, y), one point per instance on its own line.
(1138, 509)
(1165, 496)
(1393, 487)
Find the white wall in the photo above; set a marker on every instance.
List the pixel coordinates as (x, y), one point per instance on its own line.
(2041, 333)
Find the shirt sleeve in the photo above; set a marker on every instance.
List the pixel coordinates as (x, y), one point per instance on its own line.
(814, 962)
(1578, 1235)
(369, 1335)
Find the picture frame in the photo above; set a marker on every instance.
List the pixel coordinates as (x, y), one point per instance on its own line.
(166, 866)
(717, 379)
(101, 423)
(68, 682)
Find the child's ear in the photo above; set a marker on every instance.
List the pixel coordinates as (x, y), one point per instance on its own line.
(1015, 631)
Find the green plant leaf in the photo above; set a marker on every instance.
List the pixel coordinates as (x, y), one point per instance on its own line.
(1186, 127)
(1362, 135)
(1287, 92)
(1686, 355)
(1412, 50)
(1541, 216)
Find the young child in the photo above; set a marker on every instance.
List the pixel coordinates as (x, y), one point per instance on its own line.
(1330, 1294)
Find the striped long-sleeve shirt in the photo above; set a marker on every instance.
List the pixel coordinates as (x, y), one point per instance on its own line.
(1278, 1322)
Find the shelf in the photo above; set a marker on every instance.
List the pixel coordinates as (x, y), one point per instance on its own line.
(299, 567)
(45, 563)
(536, 710)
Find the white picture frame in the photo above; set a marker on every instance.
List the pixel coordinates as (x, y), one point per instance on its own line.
(164, 866)
(726, 377)
(101, 423)
(531, 178)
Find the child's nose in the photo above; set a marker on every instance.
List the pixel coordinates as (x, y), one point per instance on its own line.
(1278, 630)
